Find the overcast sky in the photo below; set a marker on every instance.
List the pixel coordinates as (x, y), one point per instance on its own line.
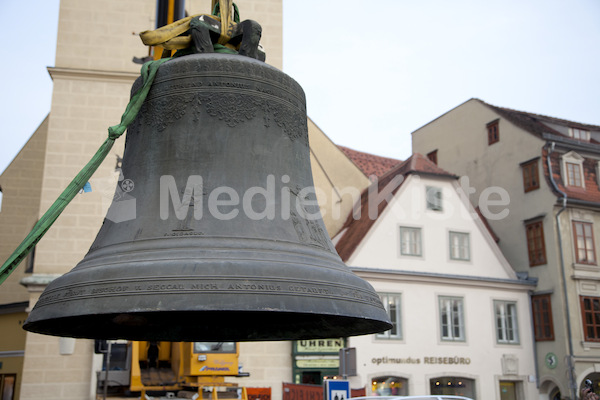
(373, 71)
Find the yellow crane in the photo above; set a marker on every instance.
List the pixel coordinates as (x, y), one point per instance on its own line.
(177, 366)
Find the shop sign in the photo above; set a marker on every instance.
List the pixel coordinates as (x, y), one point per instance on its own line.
(422, 360)
(317, 363)
(551, 360)
(320, 346)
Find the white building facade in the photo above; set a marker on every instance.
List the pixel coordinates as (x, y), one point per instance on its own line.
(462, 321)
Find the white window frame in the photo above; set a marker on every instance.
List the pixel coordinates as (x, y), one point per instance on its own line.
(434, 198)
(411, 241)
(459, 246)
(589, 243)
(579, 134)
(393, 306)
(572, 158)
(506, 322)
(452, 319)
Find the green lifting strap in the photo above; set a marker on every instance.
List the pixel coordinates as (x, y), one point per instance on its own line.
(148, 74)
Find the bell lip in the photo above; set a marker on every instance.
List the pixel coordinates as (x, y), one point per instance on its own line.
(246, 326)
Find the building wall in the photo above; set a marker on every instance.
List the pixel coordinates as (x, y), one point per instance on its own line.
(338, 181)
(416, 356)
(21, 187)
(481, 280)
(460, 136)
(582, 280)
(381, 246)
(12, 346)
(269, 364)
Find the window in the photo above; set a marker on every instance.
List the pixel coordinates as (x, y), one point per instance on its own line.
(391, 302)
(493, 132)
(7, 386)
(452, 385)
(583, 236)
(410, 241)
(590, 309)
(530, 176)
(214, 347)
(459, 246)
(433, 196)
(432, 156)
(579, 134)
(572, 169)
(542, 317)
(509, 389)
(452, 319)
(506, 322)
(389, 386)
(535, 243)
(573, 174)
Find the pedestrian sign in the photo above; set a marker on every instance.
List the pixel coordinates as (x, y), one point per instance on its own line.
(336, 389)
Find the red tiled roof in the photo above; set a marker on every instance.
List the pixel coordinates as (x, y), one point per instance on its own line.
(370, 164)
(420, 164)
(355, 229)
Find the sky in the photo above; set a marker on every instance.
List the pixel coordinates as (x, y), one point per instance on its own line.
(373, 71)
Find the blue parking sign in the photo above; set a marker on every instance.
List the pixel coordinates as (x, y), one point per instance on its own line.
(337, 389)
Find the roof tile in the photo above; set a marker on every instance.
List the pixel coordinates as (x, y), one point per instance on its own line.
(370, 164)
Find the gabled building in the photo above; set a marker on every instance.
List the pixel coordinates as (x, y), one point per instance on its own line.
(539, 178)
(460, 312)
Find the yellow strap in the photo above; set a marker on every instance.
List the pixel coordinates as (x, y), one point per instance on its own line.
(167, 32)
(177, 43)
(169, 38)
(226, 20)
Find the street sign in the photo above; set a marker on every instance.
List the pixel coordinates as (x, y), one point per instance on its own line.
(336, 389)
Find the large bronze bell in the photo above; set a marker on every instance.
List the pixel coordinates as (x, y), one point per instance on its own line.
(214, 233)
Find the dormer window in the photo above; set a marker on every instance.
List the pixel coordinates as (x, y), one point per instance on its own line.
(493, 132)
(572, 169)
(432, 156)
(579, 134)
(573, 174)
